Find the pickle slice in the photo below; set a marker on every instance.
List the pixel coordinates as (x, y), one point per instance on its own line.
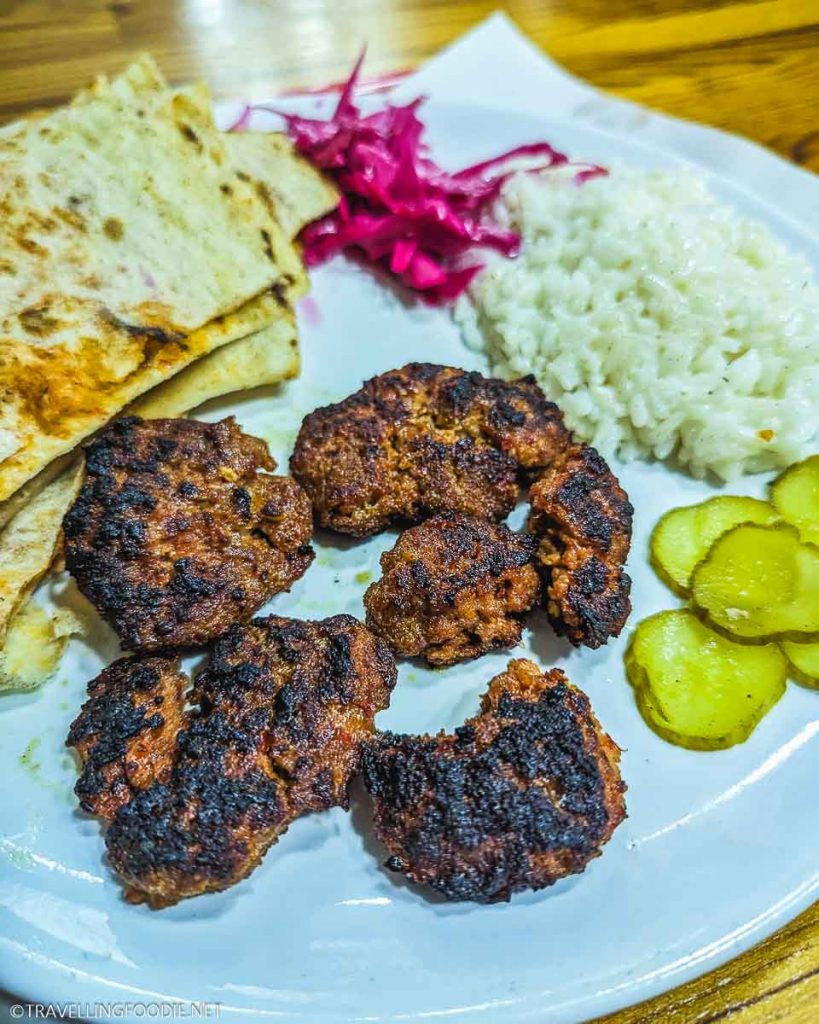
(698, 689)
(683, 536)
(795, 495)
(760, 583)
(804, 662)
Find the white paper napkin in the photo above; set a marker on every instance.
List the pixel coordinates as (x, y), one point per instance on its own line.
(495, 66)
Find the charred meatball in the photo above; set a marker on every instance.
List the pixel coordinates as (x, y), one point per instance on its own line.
(582, 517)
(127, 731)
(524, 793)
(281, 711)
(453, 588)
(180, 530)
(421, 440)
(425, 439)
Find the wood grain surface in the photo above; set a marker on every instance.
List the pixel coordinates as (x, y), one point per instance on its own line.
(751, 68)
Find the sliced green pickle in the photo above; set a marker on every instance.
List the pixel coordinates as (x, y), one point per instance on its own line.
(804, 661)
(683, 536)
(795, 495)
(698, 689)
(760, 583)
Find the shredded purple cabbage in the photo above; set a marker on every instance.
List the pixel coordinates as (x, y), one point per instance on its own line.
(399, 209)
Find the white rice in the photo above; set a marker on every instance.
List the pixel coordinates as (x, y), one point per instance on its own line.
(660, 321)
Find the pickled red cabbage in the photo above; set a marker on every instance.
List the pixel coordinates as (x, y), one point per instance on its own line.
(399, 209)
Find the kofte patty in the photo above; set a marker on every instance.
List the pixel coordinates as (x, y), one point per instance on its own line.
(421, 440)
(524, 793)
(426, 439)
(180, 530)
(194, 798)
(453, 588)
(126, 733)
(582, 518)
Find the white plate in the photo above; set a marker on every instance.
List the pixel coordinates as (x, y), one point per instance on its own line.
(718, 850)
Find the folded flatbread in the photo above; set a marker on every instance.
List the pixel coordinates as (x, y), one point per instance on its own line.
(31, 642)
(130, 246)
(299, 195)
(298, 192)
(266, 357)
(27, 546)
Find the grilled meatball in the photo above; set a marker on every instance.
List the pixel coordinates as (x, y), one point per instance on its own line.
(524, 793)
(176, 534)
(453, 588)
(425, 439)
(281, 711)
(420, 440)
(126, 733)
(582, 517)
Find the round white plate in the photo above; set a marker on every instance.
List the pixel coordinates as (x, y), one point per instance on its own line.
(718, 850)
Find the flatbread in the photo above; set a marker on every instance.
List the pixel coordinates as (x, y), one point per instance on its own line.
(259, 313)
(31, 488)
(28, 543)
(299, 193)
(294, 191)
(32, 641)
(266, 357)
(34, 645)
(305, 195)
(139, 80)
(130, 247)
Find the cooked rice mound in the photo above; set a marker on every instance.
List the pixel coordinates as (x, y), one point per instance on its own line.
(662, 322)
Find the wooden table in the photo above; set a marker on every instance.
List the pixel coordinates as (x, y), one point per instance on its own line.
(749, 67)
